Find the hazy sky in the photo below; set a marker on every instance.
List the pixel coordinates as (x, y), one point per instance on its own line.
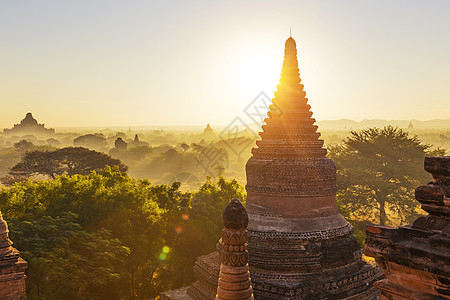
(138, 63)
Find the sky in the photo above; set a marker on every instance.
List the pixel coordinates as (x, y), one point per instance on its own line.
(173, 63)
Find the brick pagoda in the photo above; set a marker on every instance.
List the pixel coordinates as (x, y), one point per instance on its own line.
(300, 247)
(416, 258)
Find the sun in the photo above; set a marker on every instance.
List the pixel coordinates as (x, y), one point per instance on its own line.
(258, 72)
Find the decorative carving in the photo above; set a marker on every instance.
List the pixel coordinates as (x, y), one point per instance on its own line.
(234, 277)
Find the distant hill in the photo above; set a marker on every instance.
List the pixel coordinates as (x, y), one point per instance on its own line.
(350, 124)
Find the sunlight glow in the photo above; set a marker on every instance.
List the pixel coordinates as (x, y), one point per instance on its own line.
(257, 73)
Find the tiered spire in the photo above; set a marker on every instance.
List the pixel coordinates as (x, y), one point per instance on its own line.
(290, 129)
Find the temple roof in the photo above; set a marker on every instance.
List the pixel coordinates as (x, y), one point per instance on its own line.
(290, 129)
(29, 125)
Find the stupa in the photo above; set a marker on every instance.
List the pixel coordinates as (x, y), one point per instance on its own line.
(29, 125)
(299, 246)
(208, 132)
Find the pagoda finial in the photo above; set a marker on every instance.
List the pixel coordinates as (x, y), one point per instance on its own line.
(290, 32)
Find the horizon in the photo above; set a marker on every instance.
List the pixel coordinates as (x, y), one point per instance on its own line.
(202, 126)
(114, 63)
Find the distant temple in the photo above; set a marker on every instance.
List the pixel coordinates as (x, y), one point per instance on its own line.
(29, 125)
(208, 132)
(120, 144)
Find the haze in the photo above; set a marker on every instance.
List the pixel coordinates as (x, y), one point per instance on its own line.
(142, 63)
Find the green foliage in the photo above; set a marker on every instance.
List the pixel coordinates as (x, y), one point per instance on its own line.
(194, 230)
(102, 235)
(210, 201)
(377, 172)
(66, 262)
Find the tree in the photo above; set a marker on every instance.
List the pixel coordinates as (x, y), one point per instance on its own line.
(377, 171)
(66, 262)
(194, 230)
(208, 205)
(75, 232)
(93, 141)
(109, 200)
(184, 146)
(68, 161)
(23, 145)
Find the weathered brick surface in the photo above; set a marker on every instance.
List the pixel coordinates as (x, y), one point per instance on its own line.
(12, 268)
(207, 269)
(416, 259)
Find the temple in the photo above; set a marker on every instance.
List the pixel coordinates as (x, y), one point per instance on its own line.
(29, 125)
(416, 258)
(300, 247)
(12, 267)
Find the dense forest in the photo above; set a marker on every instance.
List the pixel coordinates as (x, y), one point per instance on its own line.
(128, 221)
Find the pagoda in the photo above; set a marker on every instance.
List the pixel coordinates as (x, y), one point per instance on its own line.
(29, 125)
(299, 246)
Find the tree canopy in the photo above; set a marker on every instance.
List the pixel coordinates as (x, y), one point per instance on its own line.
(106, 235)
(377, 172)
(70, 161)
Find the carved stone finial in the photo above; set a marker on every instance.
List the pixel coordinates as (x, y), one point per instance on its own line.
(234, 277)
(235, 216)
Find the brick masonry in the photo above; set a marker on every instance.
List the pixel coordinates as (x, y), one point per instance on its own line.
(416, 258)
(12, 268)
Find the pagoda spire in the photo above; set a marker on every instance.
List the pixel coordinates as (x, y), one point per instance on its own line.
(299, 246)
(290, 129)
